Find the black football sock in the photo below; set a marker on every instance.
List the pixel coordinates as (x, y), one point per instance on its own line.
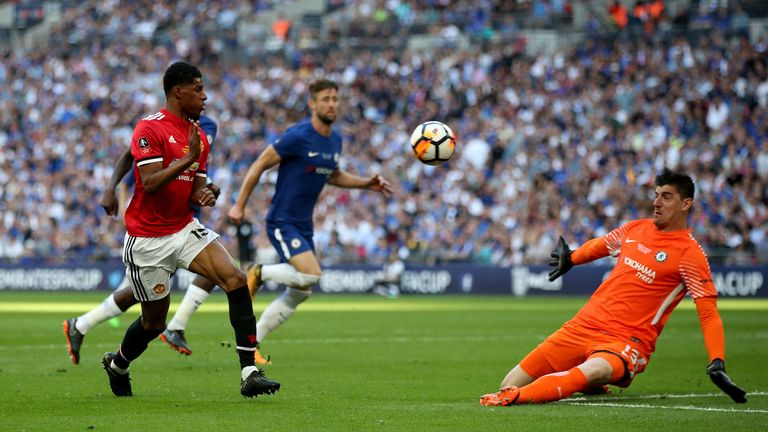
(134, 343)
(242, 320)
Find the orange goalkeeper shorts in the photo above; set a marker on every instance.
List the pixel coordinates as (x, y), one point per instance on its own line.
(573, 344)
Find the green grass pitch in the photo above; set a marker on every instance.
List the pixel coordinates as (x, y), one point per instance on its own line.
(348, 363)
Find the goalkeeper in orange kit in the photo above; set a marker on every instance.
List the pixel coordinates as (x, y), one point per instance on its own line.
(611, 339)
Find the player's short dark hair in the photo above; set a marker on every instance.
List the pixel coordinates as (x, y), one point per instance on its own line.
(682, 182)
(180, 73)
(321, 84)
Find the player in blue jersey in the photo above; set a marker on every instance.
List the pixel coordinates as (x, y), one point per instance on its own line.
(308, 157)
(118, 302)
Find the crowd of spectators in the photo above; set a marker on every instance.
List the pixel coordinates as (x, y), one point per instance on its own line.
(696, 17)
(565, 143)
(367, 23)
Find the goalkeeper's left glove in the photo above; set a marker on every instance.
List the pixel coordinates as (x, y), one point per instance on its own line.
(716, 372)
(561, 259)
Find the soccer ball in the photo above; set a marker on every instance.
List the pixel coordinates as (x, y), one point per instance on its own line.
(433, 142)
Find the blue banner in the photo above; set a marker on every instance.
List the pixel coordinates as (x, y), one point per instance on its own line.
(731, 281)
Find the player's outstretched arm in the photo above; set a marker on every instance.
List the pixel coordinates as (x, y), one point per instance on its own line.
(380, 184)
(716, 372)
(109, 201)
(266, 160)
(714, 340)
(560, 260)
(376, 182)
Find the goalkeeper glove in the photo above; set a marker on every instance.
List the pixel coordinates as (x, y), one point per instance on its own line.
(561, 260)
(716, 372)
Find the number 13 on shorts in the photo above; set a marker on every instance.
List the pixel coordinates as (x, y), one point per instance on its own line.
(636, 360)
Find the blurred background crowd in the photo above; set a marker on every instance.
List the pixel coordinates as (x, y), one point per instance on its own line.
(560, 138)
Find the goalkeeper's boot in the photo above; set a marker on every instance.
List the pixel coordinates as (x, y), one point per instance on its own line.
(74, 339)
(504, 397)
(176, 340)
(257, 384)
(260, 359)
(120, 383)
(254, 279)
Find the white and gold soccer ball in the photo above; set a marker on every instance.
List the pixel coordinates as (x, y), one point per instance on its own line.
(433, 142)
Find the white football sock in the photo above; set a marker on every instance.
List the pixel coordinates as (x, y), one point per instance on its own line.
(194, 297)
(106, 310)
(286, 274)
(278, 311)
(246, 371)
(281, 273)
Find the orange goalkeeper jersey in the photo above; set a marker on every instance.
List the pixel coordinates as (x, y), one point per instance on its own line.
(654, 271)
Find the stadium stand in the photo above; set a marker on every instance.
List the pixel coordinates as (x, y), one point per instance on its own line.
(566, 141)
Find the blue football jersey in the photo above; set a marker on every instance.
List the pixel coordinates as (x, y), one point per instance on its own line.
(307, 160)
(209, 127)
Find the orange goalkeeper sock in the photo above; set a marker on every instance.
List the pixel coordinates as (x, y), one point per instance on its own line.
(552, 387)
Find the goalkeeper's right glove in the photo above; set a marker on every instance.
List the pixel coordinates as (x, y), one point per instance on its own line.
(561, 260)
(716, 372)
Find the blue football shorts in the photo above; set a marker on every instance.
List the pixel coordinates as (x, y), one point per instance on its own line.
(288, 240)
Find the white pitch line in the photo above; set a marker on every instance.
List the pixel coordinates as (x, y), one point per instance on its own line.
(673, 407)
(657, 396)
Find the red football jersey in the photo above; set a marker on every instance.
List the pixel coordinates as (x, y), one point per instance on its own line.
(654, 271)
(162, 137)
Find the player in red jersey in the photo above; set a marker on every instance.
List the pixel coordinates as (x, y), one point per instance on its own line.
(119, 301)
(611, 339)
(170, 153)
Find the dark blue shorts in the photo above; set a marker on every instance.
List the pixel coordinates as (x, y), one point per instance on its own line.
(288, 240)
